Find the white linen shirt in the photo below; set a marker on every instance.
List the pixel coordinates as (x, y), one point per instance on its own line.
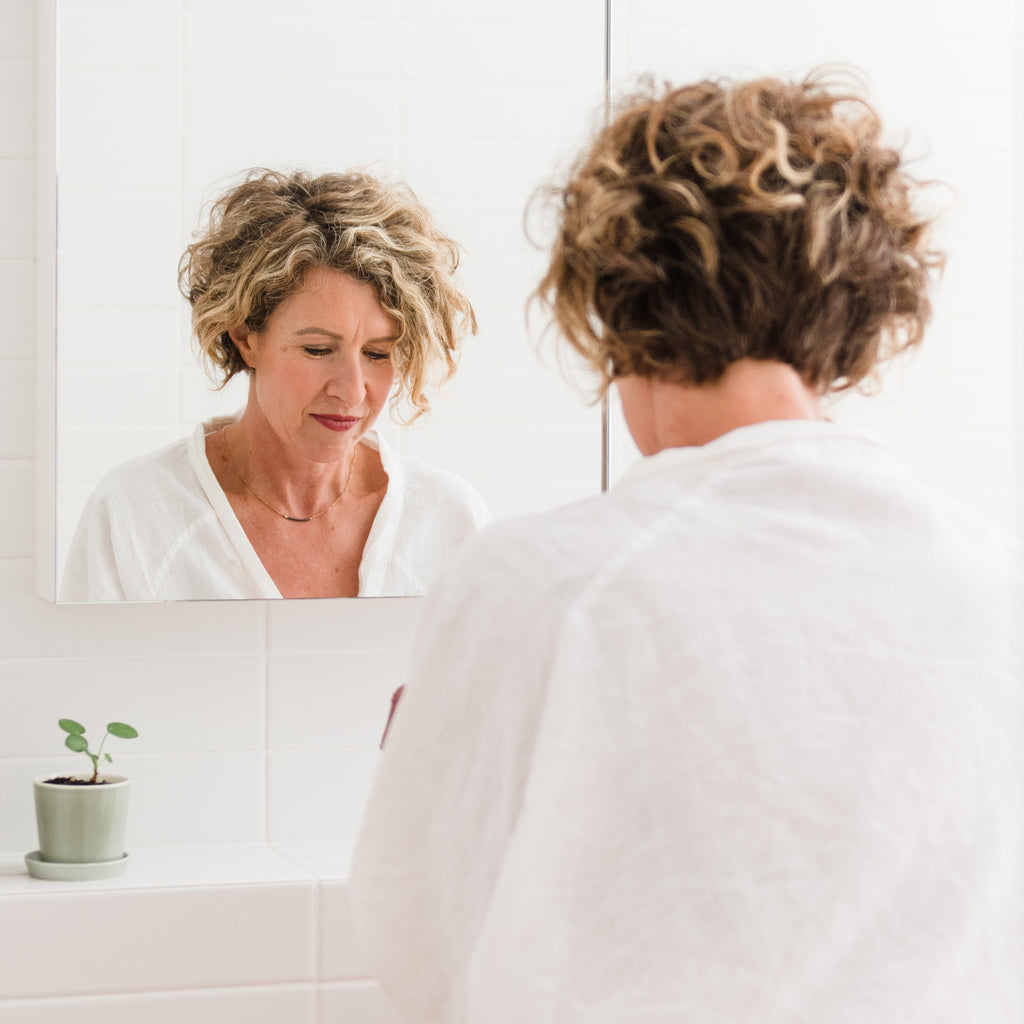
(160, 528)
(736, 742)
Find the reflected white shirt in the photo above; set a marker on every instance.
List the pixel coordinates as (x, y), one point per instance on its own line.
(160, 528)
(738, 741)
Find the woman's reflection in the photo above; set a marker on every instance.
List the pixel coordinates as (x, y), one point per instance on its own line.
(332, 293)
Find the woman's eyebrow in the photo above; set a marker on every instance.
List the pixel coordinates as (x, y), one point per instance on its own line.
(341, 337)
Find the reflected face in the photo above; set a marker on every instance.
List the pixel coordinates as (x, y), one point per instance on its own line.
(322, 367)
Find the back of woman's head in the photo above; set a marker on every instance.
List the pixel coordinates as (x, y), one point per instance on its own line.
(265, 234)
(722, 221)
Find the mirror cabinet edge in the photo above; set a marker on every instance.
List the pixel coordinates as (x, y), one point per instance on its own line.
(46, 303)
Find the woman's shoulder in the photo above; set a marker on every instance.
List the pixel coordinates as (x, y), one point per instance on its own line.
(169, 466)
(427, 486)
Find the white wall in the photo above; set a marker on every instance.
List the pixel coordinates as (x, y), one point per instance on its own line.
(942, 77)
(248, 706)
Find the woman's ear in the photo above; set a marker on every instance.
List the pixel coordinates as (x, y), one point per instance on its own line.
(244, 340)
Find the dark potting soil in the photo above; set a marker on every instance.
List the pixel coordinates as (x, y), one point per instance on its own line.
(66, 780)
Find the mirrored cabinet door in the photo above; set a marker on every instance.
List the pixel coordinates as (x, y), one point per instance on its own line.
(162, 103)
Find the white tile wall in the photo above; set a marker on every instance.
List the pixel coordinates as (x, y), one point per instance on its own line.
(954, 412)
(241, 705)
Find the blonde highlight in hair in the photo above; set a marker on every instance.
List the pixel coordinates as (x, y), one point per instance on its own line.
(722, 221)
(266, 234)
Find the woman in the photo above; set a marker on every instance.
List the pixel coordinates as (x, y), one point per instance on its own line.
(332, 294)
(740, 740)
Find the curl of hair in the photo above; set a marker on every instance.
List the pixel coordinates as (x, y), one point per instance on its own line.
(264, 235)
(722, 221)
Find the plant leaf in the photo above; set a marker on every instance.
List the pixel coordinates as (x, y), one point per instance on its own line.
(107, 757)
(71, 726)
(76, 743)
(125, 732)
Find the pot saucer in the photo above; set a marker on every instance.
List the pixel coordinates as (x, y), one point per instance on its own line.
(39, 868)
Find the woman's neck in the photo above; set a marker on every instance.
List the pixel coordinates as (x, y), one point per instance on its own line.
(661, 414)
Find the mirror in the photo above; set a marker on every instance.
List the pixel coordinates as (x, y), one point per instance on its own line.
(161, 103)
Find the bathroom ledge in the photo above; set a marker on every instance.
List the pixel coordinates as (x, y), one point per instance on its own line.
(160, 867)
(183, 918)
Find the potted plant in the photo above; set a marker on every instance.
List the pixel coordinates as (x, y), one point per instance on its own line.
(81, 818)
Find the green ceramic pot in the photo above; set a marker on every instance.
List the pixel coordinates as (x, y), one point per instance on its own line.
(81, 824)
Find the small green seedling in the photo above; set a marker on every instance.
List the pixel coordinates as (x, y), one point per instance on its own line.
(77, 742)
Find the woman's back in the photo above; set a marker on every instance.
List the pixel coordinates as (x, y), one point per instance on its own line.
(742, 742)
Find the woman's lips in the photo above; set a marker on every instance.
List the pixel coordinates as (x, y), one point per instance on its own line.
(338, 423)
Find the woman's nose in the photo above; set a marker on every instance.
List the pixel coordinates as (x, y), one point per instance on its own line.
(347, 383)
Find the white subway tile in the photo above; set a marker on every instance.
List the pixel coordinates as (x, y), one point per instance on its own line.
(126, 397)
(686, 55)
(34, 627)
(119, 5)
(506, 498)
(327, 700)
(975, 288)
(119, 337)
(381, 9)
(117, 101)
(533, 396)
(214, 162)
(17, 119)
(977, 232)
(940, 402)
(318, 794)
(17, 509)
(17, 408)
(199, 797)
(465, 113)
(200, 400)
(740, 15)
(95, 691)
(249, 102)
(183, 798)
(292, 43)
(17, 209)
(120, 158)
(263, 1004)
(530, 12)
(179, 938)
(477, 52)
(982, 60)
(325, 859)
(524, 452)
(959, 344)
(491, 168)
(146, 278)
(359, 1001)
(18, 39)
(130, 39)
(102, 219)
(17, 291)
(922, 22)
(340, 626)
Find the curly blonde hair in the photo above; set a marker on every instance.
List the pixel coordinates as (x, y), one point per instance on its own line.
(729, 220)
(265, 234)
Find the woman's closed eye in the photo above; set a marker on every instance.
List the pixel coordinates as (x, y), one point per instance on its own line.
(313, 350)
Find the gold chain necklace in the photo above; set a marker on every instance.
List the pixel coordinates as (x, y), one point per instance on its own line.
(291, 519)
